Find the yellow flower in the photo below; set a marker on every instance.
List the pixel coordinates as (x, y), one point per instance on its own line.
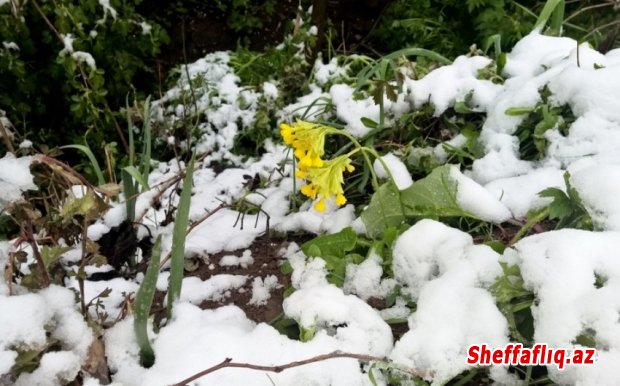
(308, 141)
(325, 182)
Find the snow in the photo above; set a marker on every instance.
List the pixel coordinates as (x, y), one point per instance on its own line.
(397, 169)
(449, 84)
(270, 91)
(67, 41)
(197, 339)
(520, 194)
(244, 261)
(261, 289)
(216, 288)
(25, 144)
(574, 275)
(15, 178)
(113, 303)
(560, 267)
(448, 276)
(107, 9)
(474, 198)
(324, 73)
(85, 57)
(599, 189)
(346, 318)
(364, 280)
(27, 320)
(9, 45)
(350, 110)
(146, 28)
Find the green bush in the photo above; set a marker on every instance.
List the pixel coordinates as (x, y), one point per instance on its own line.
(450, 27)
(66, 66)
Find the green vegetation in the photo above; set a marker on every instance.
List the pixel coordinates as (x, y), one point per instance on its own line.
(81, 80)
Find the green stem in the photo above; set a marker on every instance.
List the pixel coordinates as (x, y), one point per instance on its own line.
(528, 376)
(385, 167)
(530, 224)
(375, 180)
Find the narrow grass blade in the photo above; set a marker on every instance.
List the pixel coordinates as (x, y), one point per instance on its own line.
(146, 140)
(132, 145)
(177, 255)
(129, 189)
(551, 7)
(91, 157)
(135, 173)
(142, 306)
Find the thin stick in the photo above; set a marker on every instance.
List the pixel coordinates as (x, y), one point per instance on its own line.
(279, 368)
(28, 232)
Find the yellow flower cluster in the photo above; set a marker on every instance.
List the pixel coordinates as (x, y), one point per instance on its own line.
(325, 177)
(308, 140)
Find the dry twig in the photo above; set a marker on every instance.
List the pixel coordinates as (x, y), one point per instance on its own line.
(279, 368)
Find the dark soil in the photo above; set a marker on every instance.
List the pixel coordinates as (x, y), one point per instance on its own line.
(267, 261)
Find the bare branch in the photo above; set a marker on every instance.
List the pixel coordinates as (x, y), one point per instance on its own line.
(279, 368)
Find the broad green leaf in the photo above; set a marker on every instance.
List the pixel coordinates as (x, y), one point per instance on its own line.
(336, 244)
(384, 211)
(433, 196)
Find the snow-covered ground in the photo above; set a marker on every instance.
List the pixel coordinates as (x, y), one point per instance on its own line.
(436, 266)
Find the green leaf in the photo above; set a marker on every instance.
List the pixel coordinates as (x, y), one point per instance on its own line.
(496, 245)
(130, 191)
(142, 306)
(286, 268)
(433, 196)
(553, 9)
(51, 255)
(567, 207)
(177, 255)
(561, 205)
(307, 333)
(384, 211)
(462, 108)
(369, 123)
(146, 140)
(135, 173)
(336, 244)
(516, 111)
(91, 157)
(89, 206)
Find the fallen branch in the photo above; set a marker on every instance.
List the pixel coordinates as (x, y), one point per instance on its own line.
(279, 368)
